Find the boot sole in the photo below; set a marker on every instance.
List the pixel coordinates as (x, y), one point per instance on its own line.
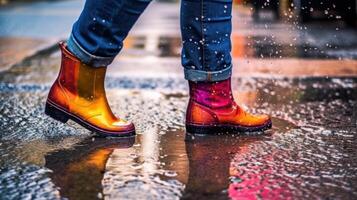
(59, 114)
(225, 129)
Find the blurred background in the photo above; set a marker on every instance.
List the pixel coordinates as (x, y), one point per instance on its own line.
(293, 59)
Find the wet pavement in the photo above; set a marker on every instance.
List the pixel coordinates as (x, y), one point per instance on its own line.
(310, 153)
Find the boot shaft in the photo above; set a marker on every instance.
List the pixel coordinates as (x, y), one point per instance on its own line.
(80, 79)
(212, 94)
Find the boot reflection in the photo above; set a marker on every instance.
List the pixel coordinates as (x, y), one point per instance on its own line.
(79, 172)
(209, 163)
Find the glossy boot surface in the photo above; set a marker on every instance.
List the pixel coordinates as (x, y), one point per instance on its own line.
(78, 94)
(212, 110)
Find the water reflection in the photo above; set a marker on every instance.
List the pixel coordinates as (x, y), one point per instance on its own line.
(78, 172)
(159, 165)
(209, 161)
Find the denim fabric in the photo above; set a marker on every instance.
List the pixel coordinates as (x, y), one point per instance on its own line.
(97, 36)
(206, 30)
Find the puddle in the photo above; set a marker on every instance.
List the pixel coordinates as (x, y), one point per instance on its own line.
(308, 154)
(159, 165)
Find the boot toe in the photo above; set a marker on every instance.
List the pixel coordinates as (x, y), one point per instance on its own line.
(112, 126)
(261, 120)
(121, 123)
(264, 118)
(122, 126)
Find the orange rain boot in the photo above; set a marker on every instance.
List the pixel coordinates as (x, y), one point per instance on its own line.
(212, 110)
(78, 94)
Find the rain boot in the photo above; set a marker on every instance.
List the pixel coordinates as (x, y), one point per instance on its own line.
(78, 94)
(212, 110)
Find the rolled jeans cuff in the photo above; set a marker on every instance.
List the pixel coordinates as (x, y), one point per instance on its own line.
(85, 57)
(208, 76)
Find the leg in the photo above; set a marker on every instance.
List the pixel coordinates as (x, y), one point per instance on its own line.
(97, 37)
(206, 29)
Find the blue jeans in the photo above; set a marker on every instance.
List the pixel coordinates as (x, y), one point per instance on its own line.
(98, 35)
